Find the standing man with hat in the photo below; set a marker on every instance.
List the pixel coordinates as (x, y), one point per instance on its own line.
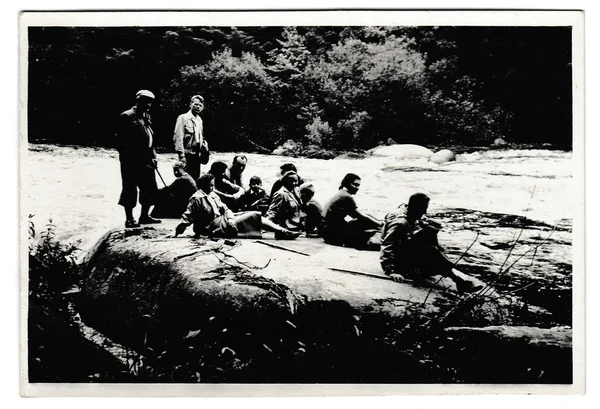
(135, 140)
(190, 145)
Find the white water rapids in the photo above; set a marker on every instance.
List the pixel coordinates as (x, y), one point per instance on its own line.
(78, 188)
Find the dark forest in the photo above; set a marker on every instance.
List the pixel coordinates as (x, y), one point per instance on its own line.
(325, 88)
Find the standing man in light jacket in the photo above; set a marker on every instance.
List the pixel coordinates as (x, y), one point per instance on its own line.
(190, 145)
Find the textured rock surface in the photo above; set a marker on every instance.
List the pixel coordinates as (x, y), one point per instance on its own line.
(402, 151)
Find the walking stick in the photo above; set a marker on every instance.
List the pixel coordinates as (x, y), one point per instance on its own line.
(160, 176)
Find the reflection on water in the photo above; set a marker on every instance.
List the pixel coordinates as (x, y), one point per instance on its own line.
(79, 187)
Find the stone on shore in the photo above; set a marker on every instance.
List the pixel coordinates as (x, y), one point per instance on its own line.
(443, 156)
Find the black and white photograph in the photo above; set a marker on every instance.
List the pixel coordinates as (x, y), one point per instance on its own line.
(364, 200)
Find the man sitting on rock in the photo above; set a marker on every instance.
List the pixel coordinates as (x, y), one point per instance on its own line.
(410, 250)
(172, 200)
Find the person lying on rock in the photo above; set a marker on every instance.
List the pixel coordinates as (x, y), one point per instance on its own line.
(172, 200)
(356, 232)
(410, 249)
(228, 192)
(285, 209)
(255, 198)
(211, 217)
(313, 218)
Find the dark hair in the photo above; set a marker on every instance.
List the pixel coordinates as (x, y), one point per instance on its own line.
(418, 199)
(203, 181)
(236, 157)
(218, 168)
(287, 177)
(348, 179)
(287, 167)
(255, 180)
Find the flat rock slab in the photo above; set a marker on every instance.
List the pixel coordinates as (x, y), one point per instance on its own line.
(134, 276)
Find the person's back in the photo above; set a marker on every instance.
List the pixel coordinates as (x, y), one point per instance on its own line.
(335, 212)
(314, 218)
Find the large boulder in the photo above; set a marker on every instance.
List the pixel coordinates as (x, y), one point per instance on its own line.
(136, 276)
(443, 156)
(401, 151)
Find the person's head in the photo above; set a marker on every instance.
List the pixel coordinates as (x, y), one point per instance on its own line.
(417, 205)
(351, 183)
(307, 191)
(239, 163)
(178, 169)
(197, 104)
(286, 167)
(143, 100)
(290, 179)
(217, 169)
(255, 183)
(206, 183)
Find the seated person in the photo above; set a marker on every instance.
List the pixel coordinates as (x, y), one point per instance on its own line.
(211, 217)
(234, 172)
(286, 167)
(285, 209)
(410, 250)
(313, 218)
(172, 200)
(256, 197)
(354, 233)
(228, 192)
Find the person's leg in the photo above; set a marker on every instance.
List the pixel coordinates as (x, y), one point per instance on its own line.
(282, 233)
(192, 165)
(444, 266)
(148, 189)
(128, 198)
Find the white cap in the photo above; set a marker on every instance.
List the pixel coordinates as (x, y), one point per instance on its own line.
(144, 93)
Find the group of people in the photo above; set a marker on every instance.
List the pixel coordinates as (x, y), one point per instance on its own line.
(217, 204)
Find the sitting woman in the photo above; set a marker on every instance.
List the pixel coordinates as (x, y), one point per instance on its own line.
(228, 192)
(354, 233)
(285, 207)
(211, 217)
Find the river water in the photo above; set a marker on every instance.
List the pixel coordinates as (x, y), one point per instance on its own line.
(78, 187)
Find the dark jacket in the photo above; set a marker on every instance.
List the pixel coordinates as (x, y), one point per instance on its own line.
(135, 139)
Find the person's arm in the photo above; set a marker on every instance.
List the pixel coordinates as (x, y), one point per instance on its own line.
(275, 206)
(178, 138)
(394, 236)
(357, 214)
(187, 218)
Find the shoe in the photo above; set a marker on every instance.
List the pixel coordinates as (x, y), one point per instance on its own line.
(286, 234)
(131, 223)
(468, 287)
(149, 220)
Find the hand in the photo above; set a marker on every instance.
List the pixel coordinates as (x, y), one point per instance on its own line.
(179, 229)
(399, 278)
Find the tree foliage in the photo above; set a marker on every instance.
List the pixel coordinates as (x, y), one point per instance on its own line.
(338, 88)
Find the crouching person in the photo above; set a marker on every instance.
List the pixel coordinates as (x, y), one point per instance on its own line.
(211, 217)
(410, 250)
